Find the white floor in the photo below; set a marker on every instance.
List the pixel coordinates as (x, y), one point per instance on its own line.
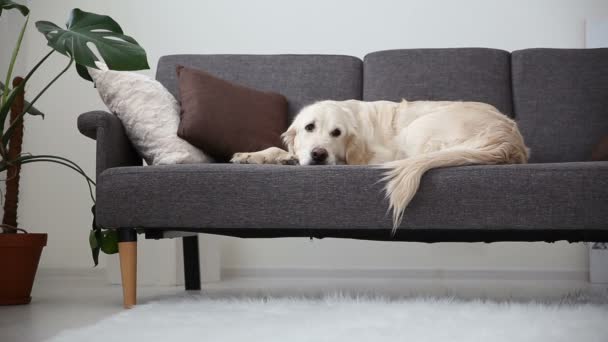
(68, 299)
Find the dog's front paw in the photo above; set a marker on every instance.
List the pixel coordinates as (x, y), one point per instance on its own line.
(289, 160)
(247, 158)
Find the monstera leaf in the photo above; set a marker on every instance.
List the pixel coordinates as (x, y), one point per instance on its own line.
(118, 51)
(7, 5)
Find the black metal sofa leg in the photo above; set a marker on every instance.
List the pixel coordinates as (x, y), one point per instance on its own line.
(192, 271)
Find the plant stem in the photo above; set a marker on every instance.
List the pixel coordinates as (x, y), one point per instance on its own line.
(10, 129)
(79, 169)
(90, 183)
(52, 159)
(33, 109)
(14, 58)
(5, 107)
(11, 195)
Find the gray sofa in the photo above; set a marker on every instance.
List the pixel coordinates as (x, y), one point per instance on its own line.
(558, 96)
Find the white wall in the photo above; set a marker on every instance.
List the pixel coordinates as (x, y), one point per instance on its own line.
(10, 24)
(55, 200)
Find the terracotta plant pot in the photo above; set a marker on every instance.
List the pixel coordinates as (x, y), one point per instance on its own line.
(19, 256)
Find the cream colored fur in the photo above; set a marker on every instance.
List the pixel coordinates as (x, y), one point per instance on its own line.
(406, 138)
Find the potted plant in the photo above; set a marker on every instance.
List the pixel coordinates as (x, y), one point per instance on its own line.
(20, 251)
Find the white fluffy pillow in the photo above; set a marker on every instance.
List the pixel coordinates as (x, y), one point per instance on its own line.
(150, 115)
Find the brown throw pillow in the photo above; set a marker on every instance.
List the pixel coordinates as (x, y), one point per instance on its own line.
(223, 118)
(600, 151)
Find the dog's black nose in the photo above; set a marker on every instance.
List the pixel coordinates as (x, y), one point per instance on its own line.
(318, 154)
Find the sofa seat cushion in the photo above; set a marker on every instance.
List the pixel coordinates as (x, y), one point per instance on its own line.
(530, 196)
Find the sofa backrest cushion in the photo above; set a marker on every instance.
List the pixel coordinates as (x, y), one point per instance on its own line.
(560, 99)
(302, 79)
(467, 74)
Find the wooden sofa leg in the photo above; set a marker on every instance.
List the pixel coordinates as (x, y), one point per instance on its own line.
(127, 250)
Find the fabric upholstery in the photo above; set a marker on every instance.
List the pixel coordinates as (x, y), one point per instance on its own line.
(529, 196)
(302, 79)
(463, 74)
(113, 146)
(223, 118)
(561, 101)
(545, 201)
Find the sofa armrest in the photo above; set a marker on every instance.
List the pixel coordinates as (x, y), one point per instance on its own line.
(113, 146)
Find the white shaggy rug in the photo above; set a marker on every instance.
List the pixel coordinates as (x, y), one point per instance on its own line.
(340, 318)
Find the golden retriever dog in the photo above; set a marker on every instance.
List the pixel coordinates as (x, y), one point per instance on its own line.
(407, 138)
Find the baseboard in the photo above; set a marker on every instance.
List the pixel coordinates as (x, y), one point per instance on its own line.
(453, 274)
(598, 264)
(508, 274)
(92, 272)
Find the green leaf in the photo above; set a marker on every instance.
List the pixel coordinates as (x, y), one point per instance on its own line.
(95, 254)
(33, 110)
(4, 109)
(109, 243)
(16, 49)
(95, 236)
(7, 5)
(118, 51)
(93, 240)
(11, 96)
(83, 72)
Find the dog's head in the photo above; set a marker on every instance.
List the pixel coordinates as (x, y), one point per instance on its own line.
(324, 133)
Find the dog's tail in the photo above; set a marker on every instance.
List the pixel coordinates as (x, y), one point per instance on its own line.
(403, 176)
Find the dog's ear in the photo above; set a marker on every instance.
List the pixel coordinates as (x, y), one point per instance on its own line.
(289, 138)
(357, 152)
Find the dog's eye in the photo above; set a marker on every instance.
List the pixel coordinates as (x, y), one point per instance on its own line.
(335, 133)
(310, 127)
